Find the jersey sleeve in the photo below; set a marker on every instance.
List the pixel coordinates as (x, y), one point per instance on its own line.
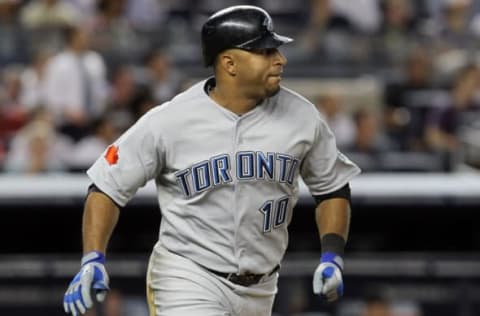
(325, 168)
(129, 163)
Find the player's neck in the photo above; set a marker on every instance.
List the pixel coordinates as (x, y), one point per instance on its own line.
(233, 100)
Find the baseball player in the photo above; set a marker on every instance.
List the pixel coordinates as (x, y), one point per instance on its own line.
(226, 156)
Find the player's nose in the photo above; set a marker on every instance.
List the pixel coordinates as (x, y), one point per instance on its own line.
(279, 58)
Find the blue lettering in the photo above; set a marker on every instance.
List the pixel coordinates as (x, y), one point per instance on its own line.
(182, 181)
(221, 170)
(281, 212)
(249, 165)
(201, 176)
(266, 210)
(291, 173)
(245, 165)
(265, 165)
(284, 159)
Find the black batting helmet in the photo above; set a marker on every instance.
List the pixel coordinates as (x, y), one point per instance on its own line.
(243, 26)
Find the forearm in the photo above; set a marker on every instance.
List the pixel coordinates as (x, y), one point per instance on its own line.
(333, 216)
(333, 221)
(99, 219)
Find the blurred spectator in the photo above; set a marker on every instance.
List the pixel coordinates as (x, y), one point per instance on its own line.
(87, 150)
(320, 13)
(150, 19)
(12, 112)
(339, 29)
(164, 79)
(76, 85)
(13, 41)
(458, 26)
(375, 307)
(113, 304)
(122, 92)
(368, 135)
(45, 20)
(369, 143)
(339, 121)
(408, 100)
(444, 123)
(336, 36)
(85, 9)
(142, 101)
(397, 33)
(113, 35)
(119, 304)
(456, 36)
(33, 92)
(376, 303)
(361, 15)
(147, 15)
(37, 148)
(45, 13)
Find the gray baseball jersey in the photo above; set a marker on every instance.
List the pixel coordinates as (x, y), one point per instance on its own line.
(227, 184)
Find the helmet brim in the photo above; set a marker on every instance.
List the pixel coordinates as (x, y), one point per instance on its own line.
(270, 40)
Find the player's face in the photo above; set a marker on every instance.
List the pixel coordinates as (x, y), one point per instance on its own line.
(260, 71)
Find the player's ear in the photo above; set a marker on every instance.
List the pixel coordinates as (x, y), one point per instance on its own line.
(227, 62)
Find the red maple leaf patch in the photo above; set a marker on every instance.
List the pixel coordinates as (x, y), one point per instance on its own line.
(111, 156)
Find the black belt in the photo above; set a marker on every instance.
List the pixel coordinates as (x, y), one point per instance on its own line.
(246, 279)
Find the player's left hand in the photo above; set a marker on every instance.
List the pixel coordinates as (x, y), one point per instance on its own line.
(327, 279)
(92, 277)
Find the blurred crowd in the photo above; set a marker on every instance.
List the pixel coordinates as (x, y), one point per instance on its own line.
(74, 74)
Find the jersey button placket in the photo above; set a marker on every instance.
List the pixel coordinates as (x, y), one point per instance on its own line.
(238, 247)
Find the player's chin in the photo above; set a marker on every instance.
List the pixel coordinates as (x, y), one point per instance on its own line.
(273, 86)
(272, 90)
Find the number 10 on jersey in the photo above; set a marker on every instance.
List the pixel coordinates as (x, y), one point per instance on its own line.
(274, 213)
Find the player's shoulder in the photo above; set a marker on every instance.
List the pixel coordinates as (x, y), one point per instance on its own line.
(191, 94)
(190, 97)
(179, 105)
(293, 96)
(290, 100)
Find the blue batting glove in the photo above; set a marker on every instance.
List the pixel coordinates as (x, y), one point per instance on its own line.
(327, 279)
(92, 276)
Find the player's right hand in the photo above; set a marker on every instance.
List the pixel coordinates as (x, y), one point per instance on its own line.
(327, 279)
(92, 278)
